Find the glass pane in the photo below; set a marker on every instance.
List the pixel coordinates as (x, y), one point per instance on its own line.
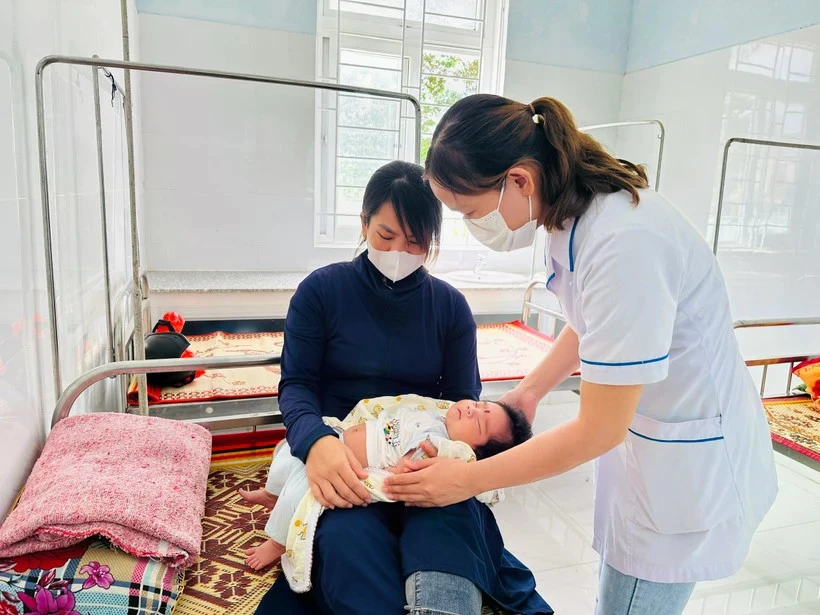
(376, 60)
(379, 79)
(389, 8)
(425, 147)
(367, 143)
(446, 90)
(430, 116)
(354, 172)
(452, 22)
(452, 64)
(368, 112)
(457, 8)
(349, 201)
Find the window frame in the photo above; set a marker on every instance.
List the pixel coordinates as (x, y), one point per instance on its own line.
(379, 35)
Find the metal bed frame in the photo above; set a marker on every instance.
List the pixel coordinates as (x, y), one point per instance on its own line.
(724, 167)
(138, 298)
(265, 409)
(779, 322)
(791, 360)
(661, 138)
(250, 412)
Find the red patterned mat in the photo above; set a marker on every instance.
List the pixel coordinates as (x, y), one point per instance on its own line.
(795, 423)
(506, 351)
(223, 384)
(509, 350)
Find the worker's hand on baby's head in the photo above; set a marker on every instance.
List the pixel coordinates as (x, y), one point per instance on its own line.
(521, 398)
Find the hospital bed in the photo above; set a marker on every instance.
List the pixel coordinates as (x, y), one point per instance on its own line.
(507, 352)
(793, 420)
(795, 424)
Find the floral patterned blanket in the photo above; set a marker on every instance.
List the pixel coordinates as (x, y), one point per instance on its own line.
(90, 578)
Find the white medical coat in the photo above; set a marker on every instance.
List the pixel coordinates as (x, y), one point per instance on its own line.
(679, 500)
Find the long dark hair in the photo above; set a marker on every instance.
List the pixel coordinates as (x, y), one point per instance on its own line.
(402, 184)
(482, 136)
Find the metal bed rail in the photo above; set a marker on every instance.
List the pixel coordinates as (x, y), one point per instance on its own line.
(661, 138)
(790, 360)
(97, 63)
(573, 383)
(73, 391)
(529, 306)
(724, 168)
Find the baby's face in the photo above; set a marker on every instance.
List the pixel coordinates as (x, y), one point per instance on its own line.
(477, 422)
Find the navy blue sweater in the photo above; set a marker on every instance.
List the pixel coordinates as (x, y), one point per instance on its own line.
(350, 334)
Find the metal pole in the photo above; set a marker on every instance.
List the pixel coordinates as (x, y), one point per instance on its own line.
(47, 238)
(719, 212)
(776, 322)
(766, 142)
(662, 138)
(139, 334)
(216, 74)
(75, 389)
(95, 77)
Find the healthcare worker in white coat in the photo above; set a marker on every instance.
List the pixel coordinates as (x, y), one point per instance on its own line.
(685, 470)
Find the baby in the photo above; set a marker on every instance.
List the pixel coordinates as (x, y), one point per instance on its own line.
(385, 442)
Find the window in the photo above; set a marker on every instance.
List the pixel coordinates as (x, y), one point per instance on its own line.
(437, 50)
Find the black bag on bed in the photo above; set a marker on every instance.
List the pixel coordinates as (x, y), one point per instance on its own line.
(167, 345)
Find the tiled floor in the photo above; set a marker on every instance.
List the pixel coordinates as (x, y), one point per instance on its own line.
(548, 525)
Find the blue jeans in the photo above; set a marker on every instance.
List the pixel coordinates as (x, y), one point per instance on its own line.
(619, 594)
(440, 593)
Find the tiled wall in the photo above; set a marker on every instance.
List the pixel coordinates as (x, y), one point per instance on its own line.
(768, 88)
(29, 30)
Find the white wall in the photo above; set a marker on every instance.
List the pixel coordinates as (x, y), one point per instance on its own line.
(228, 165)
(29, 30)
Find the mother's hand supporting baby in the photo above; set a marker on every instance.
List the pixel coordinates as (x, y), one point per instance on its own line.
(431, 482)
(335, 475)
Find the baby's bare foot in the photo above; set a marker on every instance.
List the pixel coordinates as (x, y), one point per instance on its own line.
(265, 554)
(259, 496)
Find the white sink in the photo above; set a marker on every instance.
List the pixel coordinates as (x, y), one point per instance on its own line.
(491, 278)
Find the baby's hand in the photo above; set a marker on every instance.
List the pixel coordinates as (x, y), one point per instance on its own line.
(426, 448)
(400, 467)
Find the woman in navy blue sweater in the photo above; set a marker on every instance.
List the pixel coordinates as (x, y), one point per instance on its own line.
(381, 325)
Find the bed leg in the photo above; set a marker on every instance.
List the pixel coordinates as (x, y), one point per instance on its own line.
(789, 381)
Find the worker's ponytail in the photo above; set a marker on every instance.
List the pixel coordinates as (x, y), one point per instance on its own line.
(481, 137)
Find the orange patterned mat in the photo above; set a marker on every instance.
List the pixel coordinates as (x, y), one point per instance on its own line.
(219, 581)
(226, 384)
(506, 351)
(509, 350)
(795, 423)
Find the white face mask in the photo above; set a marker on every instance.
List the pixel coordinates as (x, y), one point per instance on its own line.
(493, 232)
(395, 265)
